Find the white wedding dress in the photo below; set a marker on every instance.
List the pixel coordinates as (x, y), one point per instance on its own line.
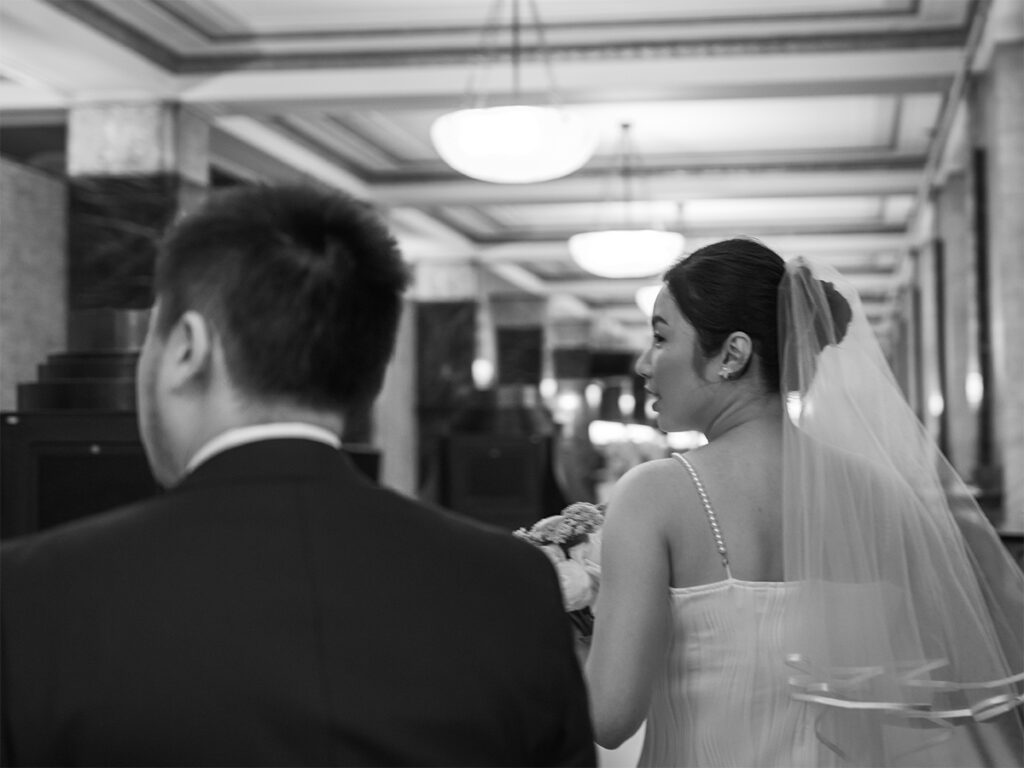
(723, 698)
(724, 695)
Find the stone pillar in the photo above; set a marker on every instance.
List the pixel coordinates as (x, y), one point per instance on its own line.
(568, 333)
(930, 375)
(958, 322)
(519, 338)
(33, 274)
(998, 130)
(131, 168)
(396, 430)
(904, 345)
(448, 309)
(519, 321)
(447, 316)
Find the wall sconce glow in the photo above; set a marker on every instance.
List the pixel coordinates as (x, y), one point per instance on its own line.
(974, 388)
(626, 404)
(606, 432)
(798, 408)
(936, 404)
(483, 373)
(645, 298)
(548, 388)
(794, 407)
(514, 144)
(592, 394)
(649, 412)
(567, 403)
(641, 433)
(685, 441)
(626, 252)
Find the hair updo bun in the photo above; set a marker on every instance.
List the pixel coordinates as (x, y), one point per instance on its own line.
(839, 309)
(735, 285)
(830, 329)
(730, 286)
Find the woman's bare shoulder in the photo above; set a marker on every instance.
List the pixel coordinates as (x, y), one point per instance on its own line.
(651, 488)
(656, 471)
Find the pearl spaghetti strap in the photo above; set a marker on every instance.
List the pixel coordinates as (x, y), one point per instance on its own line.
(712, 518)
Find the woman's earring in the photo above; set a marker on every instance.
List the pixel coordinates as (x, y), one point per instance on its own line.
(724, 373)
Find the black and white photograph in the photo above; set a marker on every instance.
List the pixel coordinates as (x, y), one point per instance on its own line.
(512, 383)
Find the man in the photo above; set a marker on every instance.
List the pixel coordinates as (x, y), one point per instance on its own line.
(274, 607)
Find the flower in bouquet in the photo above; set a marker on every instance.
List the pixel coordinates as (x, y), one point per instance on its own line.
(572, 541)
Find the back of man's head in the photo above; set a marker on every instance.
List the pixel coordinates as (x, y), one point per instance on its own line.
(302, 285)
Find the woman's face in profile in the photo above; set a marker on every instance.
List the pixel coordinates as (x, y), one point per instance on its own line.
(672, 368)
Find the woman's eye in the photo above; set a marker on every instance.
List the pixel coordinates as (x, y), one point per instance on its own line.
(658, 338)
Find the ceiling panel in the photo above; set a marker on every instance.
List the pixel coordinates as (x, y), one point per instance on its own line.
(808, 123)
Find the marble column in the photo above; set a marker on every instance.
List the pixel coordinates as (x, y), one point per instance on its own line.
(958, 321)
(519, 334)
(998, 130)
(132, 167)
(395, 427)
(929, 339)
(568, 336)
(447, 312)
(904, 345)
(447, 304)
(33, 274)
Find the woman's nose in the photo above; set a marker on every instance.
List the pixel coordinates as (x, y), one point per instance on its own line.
(642, 366)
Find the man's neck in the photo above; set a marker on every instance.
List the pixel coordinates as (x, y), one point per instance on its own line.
(250, 417)
(236, 436)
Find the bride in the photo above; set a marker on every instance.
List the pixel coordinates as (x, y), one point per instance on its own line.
(799, 591)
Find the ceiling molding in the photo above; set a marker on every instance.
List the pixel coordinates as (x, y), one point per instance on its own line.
(815, 125)
(676, 185)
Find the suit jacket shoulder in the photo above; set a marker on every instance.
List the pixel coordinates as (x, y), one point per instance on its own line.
(279, 609)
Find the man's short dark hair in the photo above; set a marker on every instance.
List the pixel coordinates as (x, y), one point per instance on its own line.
(303, 285)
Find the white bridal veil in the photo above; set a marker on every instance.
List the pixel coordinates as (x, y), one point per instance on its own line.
(910, 625)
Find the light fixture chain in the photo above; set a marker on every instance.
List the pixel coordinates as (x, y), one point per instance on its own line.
(516, 89)
(489, 33)
(627, 173)
(517, 142)
(554, 98)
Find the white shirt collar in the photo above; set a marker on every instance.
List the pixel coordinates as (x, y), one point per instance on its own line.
(251, 434)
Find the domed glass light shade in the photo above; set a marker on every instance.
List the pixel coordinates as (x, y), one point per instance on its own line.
(626, 252)
(645, 298)
(513, 144)
(517, 144)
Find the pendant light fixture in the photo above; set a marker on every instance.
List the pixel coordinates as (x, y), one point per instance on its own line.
(630, 251)
(518, 143)
(645, 297)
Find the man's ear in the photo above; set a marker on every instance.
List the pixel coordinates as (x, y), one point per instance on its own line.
(190, 350)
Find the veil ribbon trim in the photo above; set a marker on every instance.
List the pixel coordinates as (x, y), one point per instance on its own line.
(908, 617)
(810, 686)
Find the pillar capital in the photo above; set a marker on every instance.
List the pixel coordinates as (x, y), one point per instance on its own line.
(137, 138)
(132, 166)
(446, 280)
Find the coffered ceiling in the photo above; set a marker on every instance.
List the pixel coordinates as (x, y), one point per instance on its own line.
(815, 125)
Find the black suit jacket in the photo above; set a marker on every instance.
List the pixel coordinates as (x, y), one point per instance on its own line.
(276, 608)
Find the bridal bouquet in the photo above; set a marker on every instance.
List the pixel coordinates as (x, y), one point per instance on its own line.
(572, 541)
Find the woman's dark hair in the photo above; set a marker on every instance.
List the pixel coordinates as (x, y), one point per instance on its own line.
(302, 284)
(733, 285)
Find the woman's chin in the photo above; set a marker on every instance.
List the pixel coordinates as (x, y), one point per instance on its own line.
(666, 424)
